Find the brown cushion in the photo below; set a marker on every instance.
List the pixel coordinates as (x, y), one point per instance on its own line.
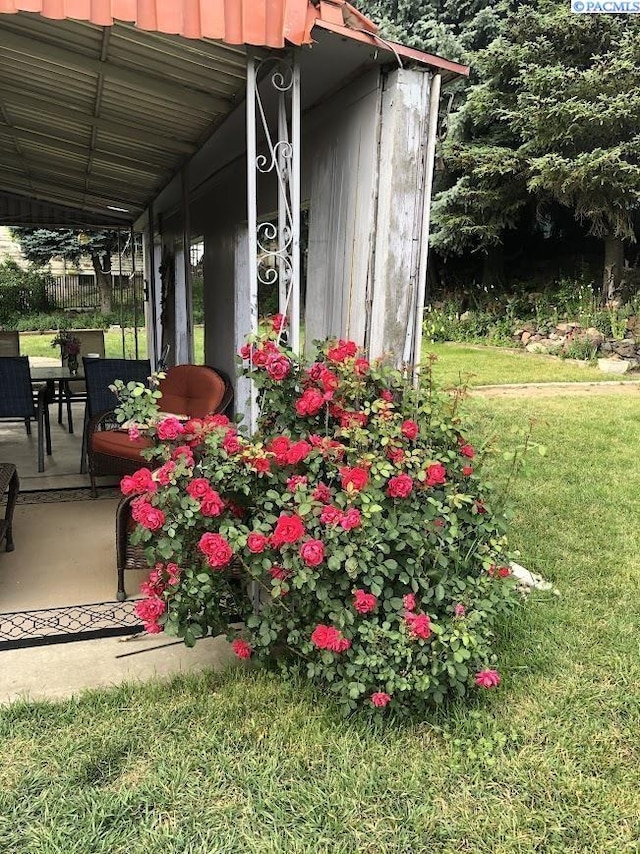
(116, 443)
(194, 390)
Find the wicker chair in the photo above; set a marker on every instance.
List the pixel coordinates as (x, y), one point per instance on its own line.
(17, 401)
(191, 390)
(91, 341)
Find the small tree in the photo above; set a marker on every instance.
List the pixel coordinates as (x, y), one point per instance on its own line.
(40, 245)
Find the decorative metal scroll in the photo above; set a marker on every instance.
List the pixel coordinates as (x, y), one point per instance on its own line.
(273, 150)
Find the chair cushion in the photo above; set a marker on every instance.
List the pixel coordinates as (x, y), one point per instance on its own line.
(192, 390)
(116, 443)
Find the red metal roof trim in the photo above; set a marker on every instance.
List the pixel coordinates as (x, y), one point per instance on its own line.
(267, 23)
(370, 38)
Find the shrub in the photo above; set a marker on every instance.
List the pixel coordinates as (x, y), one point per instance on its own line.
(21, 291)
(353, 534)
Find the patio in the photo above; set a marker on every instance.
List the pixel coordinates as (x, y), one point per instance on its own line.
(65, 554)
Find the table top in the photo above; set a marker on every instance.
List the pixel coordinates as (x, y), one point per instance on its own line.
(55, 373)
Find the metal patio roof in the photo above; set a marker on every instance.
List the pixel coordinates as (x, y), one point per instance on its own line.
(97, 116)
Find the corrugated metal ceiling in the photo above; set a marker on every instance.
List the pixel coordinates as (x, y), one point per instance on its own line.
(98, 117)
(101, 118)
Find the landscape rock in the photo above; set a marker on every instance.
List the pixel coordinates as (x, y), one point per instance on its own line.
(613, 366)
(536, 347)
(525, 337)
(626, 348)
(594, 336)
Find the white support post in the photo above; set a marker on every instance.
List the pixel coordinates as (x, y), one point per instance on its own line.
(186, 332)
(432, 130)
(252, 215)
(148, 273)
(295, 204)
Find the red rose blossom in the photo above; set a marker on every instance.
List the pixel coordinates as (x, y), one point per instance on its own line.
(295, 481)
(279, 573)
(211, 504)
(289, 529)
(278, 366)
(364, 602)
(310, 403)
(380, 699)
(138, 483)
(241, 648)
(279, 322)
(467, 470)
(183, 453)
(487, 679)
(419, 625)
(198, 487)
(321, 493)
(351, 519)
(436, 474)
(409, 429)
(147, 515)
(217, 550)
(328, 637)
(312, 552)
(353, 479)
(164, 473)
(257, 542)
(169, 428)
(400, 486)
(298, 452)
(231, 443)
(467, 451)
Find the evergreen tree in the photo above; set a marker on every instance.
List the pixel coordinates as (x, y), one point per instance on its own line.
(40, 245)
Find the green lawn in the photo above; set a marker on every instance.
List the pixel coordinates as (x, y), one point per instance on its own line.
(40, 344)
(477, 365)
(242, 762)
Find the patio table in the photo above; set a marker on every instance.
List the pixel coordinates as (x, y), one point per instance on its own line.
(52, 374)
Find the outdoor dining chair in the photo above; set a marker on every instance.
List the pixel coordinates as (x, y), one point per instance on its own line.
(99, 374)
(9, 343)
(17, 400)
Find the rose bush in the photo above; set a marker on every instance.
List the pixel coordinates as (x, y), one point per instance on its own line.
(350, 534)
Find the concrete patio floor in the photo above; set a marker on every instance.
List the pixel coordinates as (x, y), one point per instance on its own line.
(66, 670)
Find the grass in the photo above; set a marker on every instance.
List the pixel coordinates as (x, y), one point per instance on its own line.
(480, 365)
(474, 364)
(39, 344)
(244, 762)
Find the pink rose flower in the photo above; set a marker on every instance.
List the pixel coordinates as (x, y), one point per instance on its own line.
(351, 519)
(134, 433)
(169, 429)
(460, 610)
(467, 451)
(467, 470)
(487, 679)
(279, 322)
(295, 481)
(138, 483)
(330, 515)
(183, 453)
(278, 366)
(212, 504)
(380, 699)
(364, 602)
(321, 493)
(298, 452)
(147, 515)
(312, 552)
(409, 602)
